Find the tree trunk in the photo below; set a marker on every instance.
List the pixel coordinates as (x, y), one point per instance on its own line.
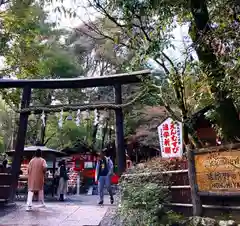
(105, 129)
(94, 135)
(229, 123)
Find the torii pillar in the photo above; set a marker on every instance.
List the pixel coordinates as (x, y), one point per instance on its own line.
(20, 142)
(120, 147)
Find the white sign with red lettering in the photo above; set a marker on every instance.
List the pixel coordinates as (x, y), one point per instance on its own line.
(171, 138)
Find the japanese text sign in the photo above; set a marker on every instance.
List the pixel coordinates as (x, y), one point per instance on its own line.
(218, 171)
(170, 137)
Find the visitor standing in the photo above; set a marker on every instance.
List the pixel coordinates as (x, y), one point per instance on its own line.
(104, 171)
(36, 174)
(5, 163)
(63, 178)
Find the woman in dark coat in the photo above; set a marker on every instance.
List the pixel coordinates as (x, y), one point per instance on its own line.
(63, 178)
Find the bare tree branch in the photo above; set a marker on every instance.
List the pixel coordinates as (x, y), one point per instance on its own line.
(163, 66)
(142, 28)
(171, 62)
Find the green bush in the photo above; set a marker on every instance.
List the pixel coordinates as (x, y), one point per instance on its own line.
(143, 195)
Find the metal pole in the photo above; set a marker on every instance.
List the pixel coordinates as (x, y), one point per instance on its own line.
(120, 147)
(78, 183)
(20, 142)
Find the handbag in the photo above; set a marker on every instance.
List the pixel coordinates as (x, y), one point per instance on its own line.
(66, 177)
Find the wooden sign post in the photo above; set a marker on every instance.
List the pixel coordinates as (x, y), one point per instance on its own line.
(196, 200)
(218, 172)
(214, 172)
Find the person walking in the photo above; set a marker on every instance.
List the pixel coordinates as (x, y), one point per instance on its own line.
(63, 178)
(36, 174)
(104, 171)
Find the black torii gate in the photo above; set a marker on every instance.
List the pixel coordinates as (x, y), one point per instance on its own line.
(27, 85)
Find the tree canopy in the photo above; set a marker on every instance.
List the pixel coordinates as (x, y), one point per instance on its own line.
(191, 71)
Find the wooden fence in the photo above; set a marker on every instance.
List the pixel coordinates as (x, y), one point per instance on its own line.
(214, 177)
(195, 191)
(5, 183)
(210, 184)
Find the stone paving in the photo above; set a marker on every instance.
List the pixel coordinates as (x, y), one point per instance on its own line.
(70, 213)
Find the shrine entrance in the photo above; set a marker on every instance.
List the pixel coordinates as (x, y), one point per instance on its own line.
(10, 180)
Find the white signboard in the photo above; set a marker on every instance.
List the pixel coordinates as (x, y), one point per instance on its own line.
(171, 138)
(88, 165)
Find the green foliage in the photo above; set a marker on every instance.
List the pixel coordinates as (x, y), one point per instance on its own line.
(7, 129)
(23, 31)
(131, 122)
(146, 29)
(59, 63)
(2, 148)
(142, 197)
(66, 136)
(70, 134)
(31, 48)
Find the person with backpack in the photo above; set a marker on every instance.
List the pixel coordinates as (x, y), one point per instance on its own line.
(104, 171)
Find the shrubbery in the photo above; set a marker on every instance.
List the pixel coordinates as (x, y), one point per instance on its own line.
(143, 195)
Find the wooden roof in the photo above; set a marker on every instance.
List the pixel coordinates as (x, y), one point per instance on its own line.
(83, 82)
(30, 150)
(198, 119)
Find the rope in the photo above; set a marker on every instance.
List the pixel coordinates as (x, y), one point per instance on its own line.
(75, 107)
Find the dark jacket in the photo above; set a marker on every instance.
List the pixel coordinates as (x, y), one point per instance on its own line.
(63, 172)
(109, 165)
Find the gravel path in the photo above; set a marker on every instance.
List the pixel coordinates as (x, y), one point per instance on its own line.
(110, 218)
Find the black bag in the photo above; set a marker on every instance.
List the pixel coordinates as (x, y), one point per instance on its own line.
(66, 177)
(63, 173)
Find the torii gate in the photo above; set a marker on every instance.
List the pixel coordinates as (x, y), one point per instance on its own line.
(27, 85)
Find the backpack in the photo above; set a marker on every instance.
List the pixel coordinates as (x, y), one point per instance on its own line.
(107, 163)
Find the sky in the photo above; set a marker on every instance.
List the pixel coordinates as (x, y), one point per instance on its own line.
(85, 13)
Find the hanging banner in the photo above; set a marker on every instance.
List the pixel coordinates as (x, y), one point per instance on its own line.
(171, 138)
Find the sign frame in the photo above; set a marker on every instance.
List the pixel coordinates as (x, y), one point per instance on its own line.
(197, 193)
(218, 171)
(171, 138)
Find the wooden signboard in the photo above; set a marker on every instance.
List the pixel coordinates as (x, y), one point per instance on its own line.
(218, 171)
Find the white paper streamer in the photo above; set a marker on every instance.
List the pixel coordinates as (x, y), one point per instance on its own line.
(60, 121)
(96, 117)
(43, 119)
(78, 118)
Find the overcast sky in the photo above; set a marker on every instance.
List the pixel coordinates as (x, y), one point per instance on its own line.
(85, 13)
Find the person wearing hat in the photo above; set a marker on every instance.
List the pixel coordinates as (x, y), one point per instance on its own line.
(104, 171)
